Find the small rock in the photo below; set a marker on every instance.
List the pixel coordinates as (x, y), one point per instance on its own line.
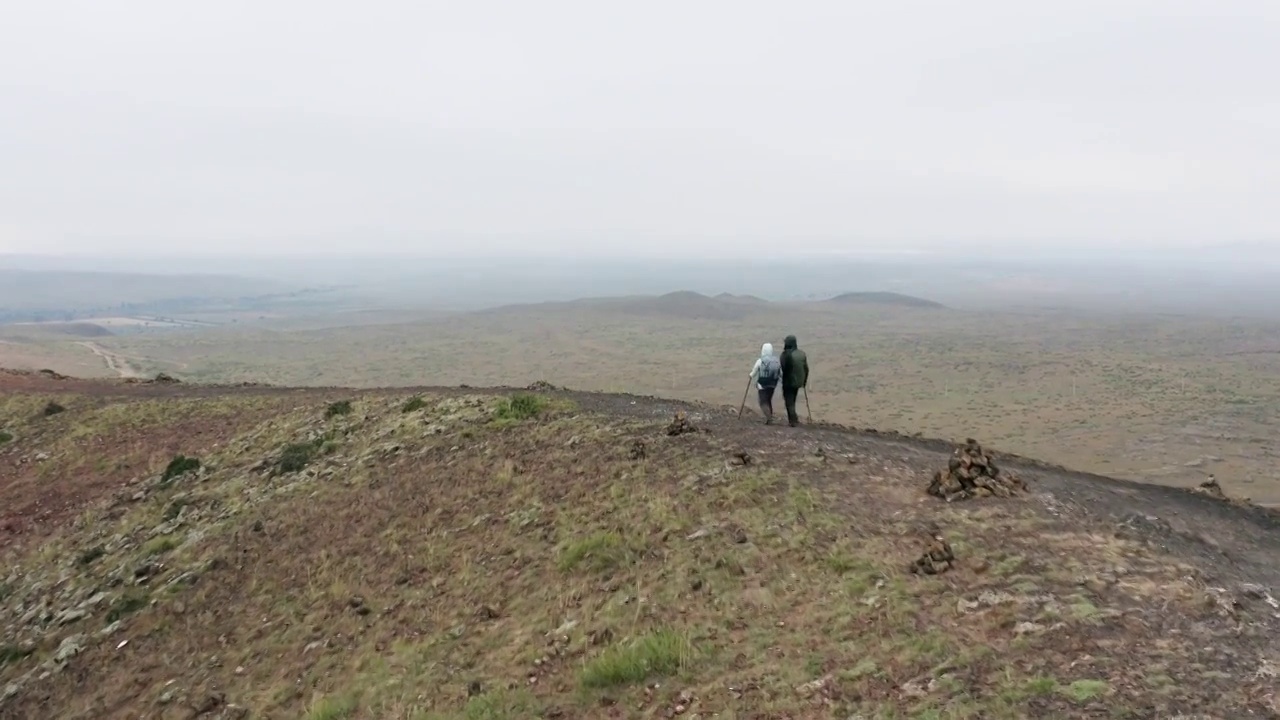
(810, 688)
(111, 629)
(698, 534)
(166, 697)
(209, 703)
(1027, 628)
(474, 689)
(70, 647)
(234, 712)
(914, 689)
(66, 617)
(1251, 590)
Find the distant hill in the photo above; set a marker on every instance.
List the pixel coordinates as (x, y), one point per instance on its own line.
(684, 304)
(884, 298)
(748, 299)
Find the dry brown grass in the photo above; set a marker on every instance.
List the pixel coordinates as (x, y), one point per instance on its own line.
(466, 560)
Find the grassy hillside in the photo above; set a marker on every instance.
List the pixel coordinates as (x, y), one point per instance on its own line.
(269, 553)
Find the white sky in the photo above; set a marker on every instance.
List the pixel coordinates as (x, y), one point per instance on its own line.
(703, 127)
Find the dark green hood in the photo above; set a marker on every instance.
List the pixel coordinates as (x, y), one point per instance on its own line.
(789, 343)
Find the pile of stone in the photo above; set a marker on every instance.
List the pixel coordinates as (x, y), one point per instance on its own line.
(681, 424)
(938, 557)
(972, 473)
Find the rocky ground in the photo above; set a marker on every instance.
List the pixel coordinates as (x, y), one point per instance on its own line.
(194, 552)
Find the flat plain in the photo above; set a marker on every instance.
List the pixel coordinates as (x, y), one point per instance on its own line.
(1168, 399)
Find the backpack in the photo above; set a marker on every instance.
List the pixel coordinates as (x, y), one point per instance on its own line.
(770, 372)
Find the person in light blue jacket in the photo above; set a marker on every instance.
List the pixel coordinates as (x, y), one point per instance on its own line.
(766, 372)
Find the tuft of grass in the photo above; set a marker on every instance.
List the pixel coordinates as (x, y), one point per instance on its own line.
(659, 653)
(501, 705)
(334, 708)
(53, 408)
(342, 407)
(1084, 610)
(414, 404)
(1084, 690)
(520, 406)
(178, 466)
(159, 546)
(127, 604)
(600, 552)
(5, 437)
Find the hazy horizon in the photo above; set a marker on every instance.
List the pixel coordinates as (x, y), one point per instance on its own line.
(708, 130)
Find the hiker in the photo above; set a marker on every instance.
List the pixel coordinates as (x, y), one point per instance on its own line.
(766, 372)
(795, 376)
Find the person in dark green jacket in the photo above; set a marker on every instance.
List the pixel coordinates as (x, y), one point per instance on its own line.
(795, 376)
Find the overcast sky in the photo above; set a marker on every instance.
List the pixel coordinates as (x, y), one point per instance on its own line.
(700, 127)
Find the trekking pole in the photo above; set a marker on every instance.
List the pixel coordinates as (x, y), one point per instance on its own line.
(807, 411)
(743, 406)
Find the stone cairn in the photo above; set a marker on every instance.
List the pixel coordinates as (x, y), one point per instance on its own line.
(972, 473)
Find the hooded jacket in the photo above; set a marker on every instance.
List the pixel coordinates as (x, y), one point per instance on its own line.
(795, 365)
(766, 353)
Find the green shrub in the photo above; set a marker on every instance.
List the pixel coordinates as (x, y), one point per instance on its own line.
(413, 405)
(89, 556)
(342, 407)
(13, 654)
(5, 437)
(521, 406)
(295, 457)
(127, 604)
(53, 408)
(180, 465)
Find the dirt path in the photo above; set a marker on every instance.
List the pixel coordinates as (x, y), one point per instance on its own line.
(115, 363)
(1240, 543)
